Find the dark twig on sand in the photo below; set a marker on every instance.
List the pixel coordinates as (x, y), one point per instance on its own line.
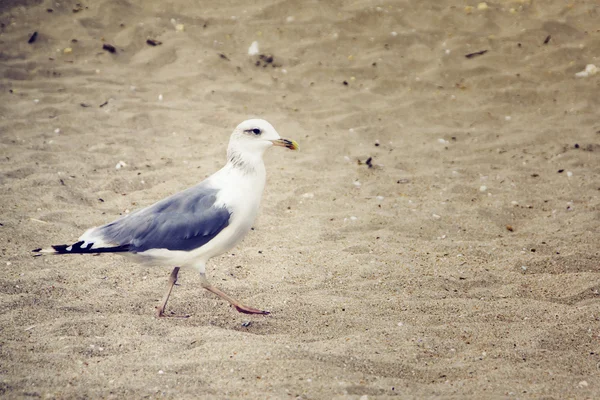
(477, 53)
(109, 47)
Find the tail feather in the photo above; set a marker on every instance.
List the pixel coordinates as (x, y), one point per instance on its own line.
(77, 248)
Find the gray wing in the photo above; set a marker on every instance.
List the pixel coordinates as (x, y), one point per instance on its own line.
(184, 221)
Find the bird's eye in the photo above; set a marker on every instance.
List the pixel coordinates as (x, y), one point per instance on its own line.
(256, 131)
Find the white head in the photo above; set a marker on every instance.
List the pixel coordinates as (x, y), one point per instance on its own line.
(251, 138)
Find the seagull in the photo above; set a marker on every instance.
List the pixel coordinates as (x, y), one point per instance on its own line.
(190, 227)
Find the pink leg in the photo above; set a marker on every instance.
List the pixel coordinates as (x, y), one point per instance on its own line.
(160, 310)
(238, 306)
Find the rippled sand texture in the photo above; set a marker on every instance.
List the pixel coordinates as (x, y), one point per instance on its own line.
(464, 262)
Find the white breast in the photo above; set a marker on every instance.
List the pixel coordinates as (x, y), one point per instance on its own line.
(240, 192)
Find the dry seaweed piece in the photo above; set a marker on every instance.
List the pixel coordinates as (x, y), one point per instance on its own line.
(547, 39)
(33, 37)
(223, 56)
(153, 42)
(477, 53)
(103, 104)
(369, 162)
(109, 47)
(267, 58)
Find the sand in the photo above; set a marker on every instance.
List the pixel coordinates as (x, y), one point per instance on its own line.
(462, 261)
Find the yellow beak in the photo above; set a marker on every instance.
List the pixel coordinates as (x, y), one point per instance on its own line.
(290, 144)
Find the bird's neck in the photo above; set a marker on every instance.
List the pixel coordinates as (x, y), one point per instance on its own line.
(244, 161)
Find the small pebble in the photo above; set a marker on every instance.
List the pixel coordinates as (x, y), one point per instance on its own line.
(161, 372)
(482, 6)
(583, 384)
(507, 118)
(67, 50)
(180, 27)
(524, 268)
(353, 218)
(435, 216)
(290, 19)
(308, 195)
(482, 188)
(253, 49)
(160, 97)
(120, 165)
(356, 183)
(569, 174)
(57, 130)
(394, 34)
(589, 70)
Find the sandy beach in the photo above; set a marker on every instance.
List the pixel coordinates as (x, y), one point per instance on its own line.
(436, 236)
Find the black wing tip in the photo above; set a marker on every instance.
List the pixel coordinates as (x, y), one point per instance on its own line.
(73, 248)
(77, 248)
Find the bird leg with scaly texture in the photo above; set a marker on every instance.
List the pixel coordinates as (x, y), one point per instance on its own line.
(238, 306)
(160, 310)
